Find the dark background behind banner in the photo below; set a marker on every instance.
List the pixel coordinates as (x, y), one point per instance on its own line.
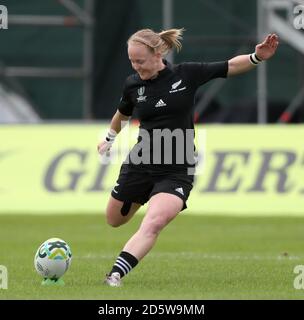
(213, 32)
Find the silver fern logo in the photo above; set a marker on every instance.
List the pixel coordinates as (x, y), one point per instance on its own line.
(141, 97)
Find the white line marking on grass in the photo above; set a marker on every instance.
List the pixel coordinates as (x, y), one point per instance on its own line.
(94, 256)
(199, 256)
(222, 256)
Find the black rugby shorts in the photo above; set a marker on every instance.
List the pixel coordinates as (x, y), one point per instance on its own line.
(137, 184)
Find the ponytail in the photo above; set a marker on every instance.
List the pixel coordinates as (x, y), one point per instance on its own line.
(172, 38)
(162, 42)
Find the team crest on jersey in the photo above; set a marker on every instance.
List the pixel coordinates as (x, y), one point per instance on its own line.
(175, 85)
(141, 97)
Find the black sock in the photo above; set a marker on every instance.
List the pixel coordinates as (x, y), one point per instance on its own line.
(124, 263)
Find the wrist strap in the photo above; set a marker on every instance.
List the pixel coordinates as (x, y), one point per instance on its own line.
(254, 59)
(111, 136)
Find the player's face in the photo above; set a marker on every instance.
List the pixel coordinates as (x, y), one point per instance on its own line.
(143, 61)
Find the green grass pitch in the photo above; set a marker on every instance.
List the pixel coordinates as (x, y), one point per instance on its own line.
(196, 257)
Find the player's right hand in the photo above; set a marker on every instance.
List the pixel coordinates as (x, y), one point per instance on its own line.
(104, 147)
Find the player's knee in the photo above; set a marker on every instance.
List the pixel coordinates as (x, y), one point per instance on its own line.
(113, 222)
(154, 226)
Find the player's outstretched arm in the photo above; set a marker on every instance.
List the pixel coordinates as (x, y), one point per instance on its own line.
(263, 51)
(117, 123)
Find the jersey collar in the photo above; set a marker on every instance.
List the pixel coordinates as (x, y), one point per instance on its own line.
(167, 69)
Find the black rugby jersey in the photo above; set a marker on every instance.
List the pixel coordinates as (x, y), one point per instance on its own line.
(167, 102)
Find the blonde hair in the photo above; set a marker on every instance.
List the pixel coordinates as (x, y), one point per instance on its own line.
(162, 42)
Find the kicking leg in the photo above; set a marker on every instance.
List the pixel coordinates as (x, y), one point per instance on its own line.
(162, 208)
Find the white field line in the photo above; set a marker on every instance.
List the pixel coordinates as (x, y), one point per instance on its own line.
(201, 256)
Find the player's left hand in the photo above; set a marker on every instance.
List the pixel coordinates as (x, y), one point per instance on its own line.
(268, 47)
